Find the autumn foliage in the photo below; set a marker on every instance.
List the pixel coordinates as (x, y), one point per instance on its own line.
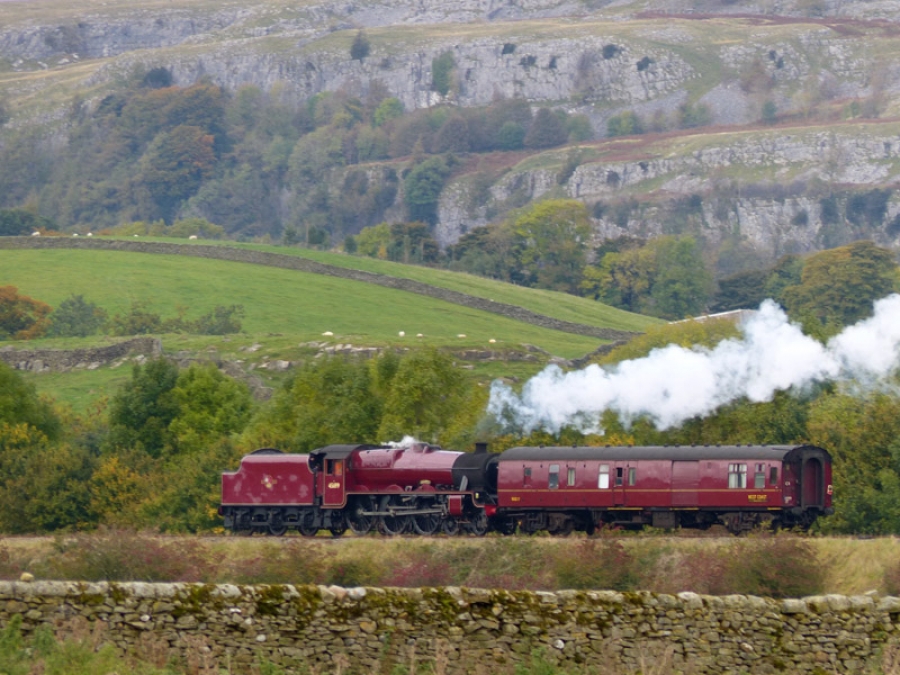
(21, 317)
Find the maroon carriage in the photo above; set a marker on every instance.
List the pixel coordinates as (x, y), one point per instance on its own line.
(564, 488)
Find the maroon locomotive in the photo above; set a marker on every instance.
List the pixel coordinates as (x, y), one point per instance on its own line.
(424, 489)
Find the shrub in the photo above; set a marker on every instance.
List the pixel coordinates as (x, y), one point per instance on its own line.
(892, 579)
(221, 320)
(75, 317)
(360, 47)
(289, 561)
(777, 567)
(597, 564)
(442, 73)
(127, 555)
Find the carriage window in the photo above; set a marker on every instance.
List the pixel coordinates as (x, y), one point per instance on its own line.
(737, 475)
(773, 476)
(553, 480)
(620, 473)
(571, 480)
(759, 478)
(527, 472)
(603, 480)
(632, 475)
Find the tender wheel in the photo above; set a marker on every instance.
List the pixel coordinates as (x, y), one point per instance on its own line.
(277, 528)
(450, 526)
(307, 525)
(507, 526)
(394, 526)
(359, 523)
(426, 524)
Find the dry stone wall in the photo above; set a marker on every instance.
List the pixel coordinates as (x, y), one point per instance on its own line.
(61, 360)
(366, 628)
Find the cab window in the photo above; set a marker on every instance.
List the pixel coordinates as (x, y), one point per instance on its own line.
(335, 467)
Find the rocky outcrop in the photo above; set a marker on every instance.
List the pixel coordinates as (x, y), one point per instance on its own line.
(464, 629)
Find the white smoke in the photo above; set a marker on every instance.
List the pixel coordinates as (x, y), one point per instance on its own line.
(674, 384)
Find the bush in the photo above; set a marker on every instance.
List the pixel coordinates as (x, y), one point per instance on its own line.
(126, 555)
(75, 317)
(442, 73)
(221, 320)
(892, 580)
(360, 47)
(290, 561)
(777, 567)
(597, 564)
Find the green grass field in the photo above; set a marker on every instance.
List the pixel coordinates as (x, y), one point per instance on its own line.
(285, 310)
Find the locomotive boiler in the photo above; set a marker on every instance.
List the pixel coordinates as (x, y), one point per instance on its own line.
(425, 490)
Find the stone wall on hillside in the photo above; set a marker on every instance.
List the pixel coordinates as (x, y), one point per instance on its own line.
(305, 265)
(367, 629)
(61, 360)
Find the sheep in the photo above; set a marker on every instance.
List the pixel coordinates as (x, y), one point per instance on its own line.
(35, 234)
(402, 333)
(461, 335)
(193, 236)
(328, 333)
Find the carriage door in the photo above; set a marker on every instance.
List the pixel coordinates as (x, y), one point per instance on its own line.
(334, 482)
(812, 482)
(620, 478)
(685, 482)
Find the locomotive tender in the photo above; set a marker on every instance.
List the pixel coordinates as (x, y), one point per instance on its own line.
(425, 490)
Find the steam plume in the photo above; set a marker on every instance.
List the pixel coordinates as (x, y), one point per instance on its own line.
(674, 384)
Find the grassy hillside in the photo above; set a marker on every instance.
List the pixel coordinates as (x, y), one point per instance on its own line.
(285, 310)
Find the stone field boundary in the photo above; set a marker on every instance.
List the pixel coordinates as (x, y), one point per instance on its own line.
(466, 630)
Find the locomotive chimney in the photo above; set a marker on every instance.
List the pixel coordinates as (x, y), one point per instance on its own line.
(481, 448)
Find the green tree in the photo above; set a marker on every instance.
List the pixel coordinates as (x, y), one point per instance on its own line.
(442, 69)
(21, 405)
(21, 317)
(683, 284)
(139, 320)
(19, 222)
(841, 284)
(360, 47)
(422, 189)
(141, 411)
(426, 394)
(546, 130)
(624, 124)
(555, 233)
(389, 109)
(374, 241)
(210, 406)
(327, 401)
(76, 317)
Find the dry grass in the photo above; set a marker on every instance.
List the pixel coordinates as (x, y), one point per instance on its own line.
(852, 566)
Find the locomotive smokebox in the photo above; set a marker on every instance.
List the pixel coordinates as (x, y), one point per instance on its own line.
(476, 471)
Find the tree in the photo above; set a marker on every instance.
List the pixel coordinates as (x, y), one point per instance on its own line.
(841, 284)
(683, 284)
(442, 73)
(19, 222)
(210, 406)
(624, 124)
(21, 317)
(373, 241)
(142, 410)
(555, 233)
(21, 405)
(360, 47)
(546, 131)
(427, 392)
(76, 317)
(422, 189)
(174, 166)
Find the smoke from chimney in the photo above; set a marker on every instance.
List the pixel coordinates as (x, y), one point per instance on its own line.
(673, 384)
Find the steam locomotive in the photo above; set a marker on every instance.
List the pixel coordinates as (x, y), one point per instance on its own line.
(425, 490)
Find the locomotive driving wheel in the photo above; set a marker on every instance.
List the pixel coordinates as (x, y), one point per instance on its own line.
(426, 523)
(357, 520)
(478, 524)
(450, 526)
(394, 525)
